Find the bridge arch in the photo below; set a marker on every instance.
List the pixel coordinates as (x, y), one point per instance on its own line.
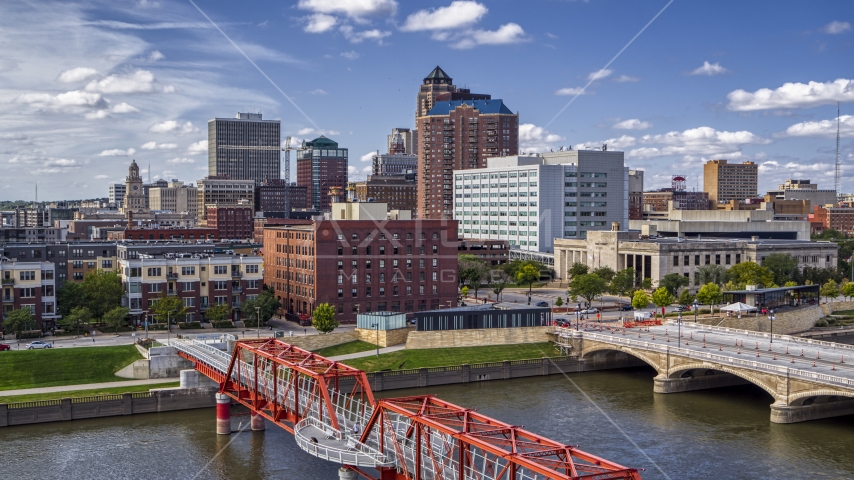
(592, 351)
(679, 371)
(822, 395)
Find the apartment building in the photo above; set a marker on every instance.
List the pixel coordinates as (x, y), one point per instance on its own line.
(72, 260)
(222, 190)
(31, 285)
(725, 181)
(176, 198)
(400, 192)
(322, 170)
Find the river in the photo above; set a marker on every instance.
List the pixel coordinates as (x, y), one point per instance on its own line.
(710, 434)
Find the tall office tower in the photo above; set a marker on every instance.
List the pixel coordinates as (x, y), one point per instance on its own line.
(322, 169)
(458, 135)
(403, 140)
(245, 147)
(222, 191)
(117, 194)
(729, 181)
(635, 195)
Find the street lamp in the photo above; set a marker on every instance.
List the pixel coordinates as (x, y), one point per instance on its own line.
(771, 319)
(577, 313)
(696, 309)
(679, 323)
(258, 320)
(377, 326)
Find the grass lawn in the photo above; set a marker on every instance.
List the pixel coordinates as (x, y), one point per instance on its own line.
(345, 348)
(85, 393)
(64, 366)
(442, 357)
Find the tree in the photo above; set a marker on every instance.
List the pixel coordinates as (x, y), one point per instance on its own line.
(74, 320)
(558, 302)
(527, 275)
(710, 274)
(168, 309)
(323, 318)
(673, 282)
(640, 300)
(588, 286)
(473, 270)
(500, 279)
(710, 294)
(116, 317)
(512, 268)
(605, 273)
(268, 304)
(783, 266)
(102, 292)
(18, 321)
(662, 297)
(848, 289)
(218, 313)
(623, 283)
(577, 269)
(686, 298)
(68, 297)
(830, 290)
(646, 284)
(464, 291)
(750, 273)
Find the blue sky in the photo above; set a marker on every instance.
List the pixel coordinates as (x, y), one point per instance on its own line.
(86, 86)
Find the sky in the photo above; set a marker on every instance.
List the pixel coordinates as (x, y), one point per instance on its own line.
(87, 86)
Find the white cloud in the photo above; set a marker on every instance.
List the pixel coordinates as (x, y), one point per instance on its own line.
(140, 81)
(571, 91)
(599, 74)
(78, 74)
(197, 148)
(75, 98)
(313, 131)
(179, 160)
(612, 143)
(101, 177)
(359, 37)
(320, 22)
(117, 153)
(350, 8)
(155, 56)
(458, 14)
(172, 126)
(351, 55)
(124, 108)
(367, 157)
(709, 69)
(793, 95)
(823, 128)
(97, 114)
(836, 27)
(62, 163)
(626, 79)
(506, 34)
(633, 124)
(318, 91)
(697, 141)
(536, 139)
(158, 146)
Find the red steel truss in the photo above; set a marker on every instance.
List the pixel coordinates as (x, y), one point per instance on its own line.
(454, 442)
(287, 384)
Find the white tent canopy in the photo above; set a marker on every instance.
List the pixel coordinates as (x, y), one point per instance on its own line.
(738, 307)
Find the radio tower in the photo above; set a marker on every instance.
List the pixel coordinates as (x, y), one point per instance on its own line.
(838, 165)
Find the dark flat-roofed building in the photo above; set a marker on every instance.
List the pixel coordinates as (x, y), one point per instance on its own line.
(490, 315)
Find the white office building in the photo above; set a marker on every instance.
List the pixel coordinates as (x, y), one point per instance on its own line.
(117, 194)
(529, 200)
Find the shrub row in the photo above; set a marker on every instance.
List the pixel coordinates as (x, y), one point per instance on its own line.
(223, 324)
(189, 325)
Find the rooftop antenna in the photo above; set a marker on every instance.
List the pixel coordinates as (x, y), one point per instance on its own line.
(838, 165)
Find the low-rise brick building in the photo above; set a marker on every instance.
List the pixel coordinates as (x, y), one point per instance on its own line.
(29, 285)
(232, 222)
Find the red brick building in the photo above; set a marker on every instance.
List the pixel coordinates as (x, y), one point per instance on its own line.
(279, 196)
(839, 218)
(232, 222)
(362, 265)
(321, 169)
(176, 234)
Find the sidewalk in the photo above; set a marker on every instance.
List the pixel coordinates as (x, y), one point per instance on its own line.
(368, 353)
(86, 386)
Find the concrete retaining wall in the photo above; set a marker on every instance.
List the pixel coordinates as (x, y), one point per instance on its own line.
(477, 337)
(785, 323)
(137, 370)
(829, 308)
(164, 362)
(387, 338)
(316, 342)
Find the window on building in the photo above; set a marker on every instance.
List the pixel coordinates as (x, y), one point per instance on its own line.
(675, 260)
(727, 259)
(717, 259)
(354, 292)
(708, 259)
(340, 293)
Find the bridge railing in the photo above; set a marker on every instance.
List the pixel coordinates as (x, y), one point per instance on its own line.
(766, 335)
(352, 453)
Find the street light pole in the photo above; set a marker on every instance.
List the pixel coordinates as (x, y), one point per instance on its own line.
(377, 326)
(258, 320)
(679, 322)
(771, 319)
(696, 309)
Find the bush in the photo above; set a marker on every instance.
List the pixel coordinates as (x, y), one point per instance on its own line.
(156, 326)
(145, 342)
(821, 323)
(31, 334)
(189, 325)
(223, 324)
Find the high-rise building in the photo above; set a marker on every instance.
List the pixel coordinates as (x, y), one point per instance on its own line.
(117, 194)
(245, 147)
(635, 194)
(400, 192)
(322, 170)
(394, 164)
(135, 199)
(403, 140)
(222, 191)
(725, 181)
(458, 135)
(439, 86)
(531, 200)
(175, 197)
(275, 196)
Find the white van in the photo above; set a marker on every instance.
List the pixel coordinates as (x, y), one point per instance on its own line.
(642, 315)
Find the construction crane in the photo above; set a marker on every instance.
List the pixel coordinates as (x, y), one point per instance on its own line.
(287, 149)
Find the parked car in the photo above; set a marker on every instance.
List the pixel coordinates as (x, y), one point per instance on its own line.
(37, 344)
(682, 308)
(542, 304)
(3, 346)
(590, 311)
(626, 308)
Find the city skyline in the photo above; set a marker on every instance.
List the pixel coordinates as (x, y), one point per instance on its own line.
(110, 84)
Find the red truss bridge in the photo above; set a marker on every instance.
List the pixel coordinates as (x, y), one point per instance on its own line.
(330, 409)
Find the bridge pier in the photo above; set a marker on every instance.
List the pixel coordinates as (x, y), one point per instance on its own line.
(663, 384)
(802, 413)
(257, 422)
(223, 414)
(347, 474)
